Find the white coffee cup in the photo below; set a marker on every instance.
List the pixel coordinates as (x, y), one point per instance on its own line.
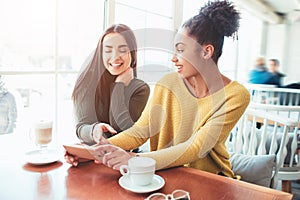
(140, 170)
(42, 131)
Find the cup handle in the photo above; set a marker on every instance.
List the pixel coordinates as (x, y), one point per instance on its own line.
(124, 170)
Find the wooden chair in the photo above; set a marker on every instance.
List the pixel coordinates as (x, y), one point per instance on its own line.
(268, 94)
(269, 139)
(291, 168)
(290, 111)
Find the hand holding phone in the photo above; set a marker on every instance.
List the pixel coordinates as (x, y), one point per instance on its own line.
(83, 151)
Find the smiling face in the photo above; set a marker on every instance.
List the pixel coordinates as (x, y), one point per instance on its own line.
(116, 54)
(188, 55)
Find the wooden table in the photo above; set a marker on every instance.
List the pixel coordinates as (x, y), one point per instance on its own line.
(20, 180)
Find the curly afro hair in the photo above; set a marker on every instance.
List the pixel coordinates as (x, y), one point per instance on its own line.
(215, 20)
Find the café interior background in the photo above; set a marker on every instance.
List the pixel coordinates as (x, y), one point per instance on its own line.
(43, 45)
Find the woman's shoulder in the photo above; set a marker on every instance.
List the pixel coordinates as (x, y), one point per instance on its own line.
(137, 81)
(138, 84)
(169, 79)
(237, 89)
(235, 85)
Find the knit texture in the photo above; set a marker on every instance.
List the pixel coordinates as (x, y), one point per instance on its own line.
(187, 130)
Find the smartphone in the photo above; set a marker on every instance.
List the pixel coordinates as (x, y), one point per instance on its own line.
(82, 151)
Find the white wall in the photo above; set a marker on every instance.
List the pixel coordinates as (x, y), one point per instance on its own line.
(283, 43)
(292, 60)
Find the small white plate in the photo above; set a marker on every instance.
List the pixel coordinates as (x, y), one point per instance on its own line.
(157, 183)
(37, 157)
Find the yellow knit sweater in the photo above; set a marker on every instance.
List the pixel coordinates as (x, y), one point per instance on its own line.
(185, 130)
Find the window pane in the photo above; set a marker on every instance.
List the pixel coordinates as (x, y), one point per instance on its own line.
(65, 118)
(80, 25)
(35, 95)
(154, 64)
(191, 8)
(28, 41)
(249, 44)
(41, 50)
(227, 61)
(164, 8)
(153, 27)
(137, 18)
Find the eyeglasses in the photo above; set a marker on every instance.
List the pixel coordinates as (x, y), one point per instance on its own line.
(176, 195)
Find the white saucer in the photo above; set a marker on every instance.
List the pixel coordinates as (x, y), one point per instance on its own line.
(157, 183)
(37, 157)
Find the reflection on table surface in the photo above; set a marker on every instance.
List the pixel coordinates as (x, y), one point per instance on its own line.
(58, 180)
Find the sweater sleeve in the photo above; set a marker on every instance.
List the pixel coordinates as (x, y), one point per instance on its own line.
(211, 129)
(85, 118)
(127, 104)
(137, 134)
(203, 141)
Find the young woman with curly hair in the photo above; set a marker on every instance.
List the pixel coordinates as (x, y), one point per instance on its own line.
(192, 112)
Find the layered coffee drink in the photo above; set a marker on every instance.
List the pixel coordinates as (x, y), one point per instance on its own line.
(43, 132)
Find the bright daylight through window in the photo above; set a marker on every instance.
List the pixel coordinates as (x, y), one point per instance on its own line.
(46, 42)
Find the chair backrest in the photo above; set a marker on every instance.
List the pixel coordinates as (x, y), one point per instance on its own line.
(283, 111)
(270, 139)
(290, 111)
(273, 95)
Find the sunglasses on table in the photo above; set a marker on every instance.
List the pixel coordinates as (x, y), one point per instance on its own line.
(175, 195)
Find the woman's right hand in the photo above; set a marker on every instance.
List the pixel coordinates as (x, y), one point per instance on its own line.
(98, 131)
(74, 160)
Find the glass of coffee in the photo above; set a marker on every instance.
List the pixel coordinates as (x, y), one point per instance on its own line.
(42, 134)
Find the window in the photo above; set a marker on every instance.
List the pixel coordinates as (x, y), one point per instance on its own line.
(150, 22)
(46, 42)
(41, 52)
(249, 44)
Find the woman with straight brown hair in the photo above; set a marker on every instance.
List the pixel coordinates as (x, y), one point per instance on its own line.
(107, 90)
(191, 112)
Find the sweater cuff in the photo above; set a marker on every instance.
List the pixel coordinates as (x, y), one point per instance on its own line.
(92, 130)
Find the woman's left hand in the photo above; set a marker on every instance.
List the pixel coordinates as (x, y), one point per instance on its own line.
(125, 77)
(114, 156)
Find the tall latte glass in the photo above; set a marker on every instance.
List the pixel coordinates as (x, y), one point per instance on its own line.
(42, 134)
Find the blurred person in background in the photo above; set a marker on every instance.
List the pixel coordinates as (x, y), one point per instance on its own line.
(8, 109)
(273, 68)
(261, 75)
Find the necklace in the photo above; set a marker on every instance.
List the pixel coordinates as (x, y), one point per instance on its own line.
(199, 93)
(194, 87)
(195, 91)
